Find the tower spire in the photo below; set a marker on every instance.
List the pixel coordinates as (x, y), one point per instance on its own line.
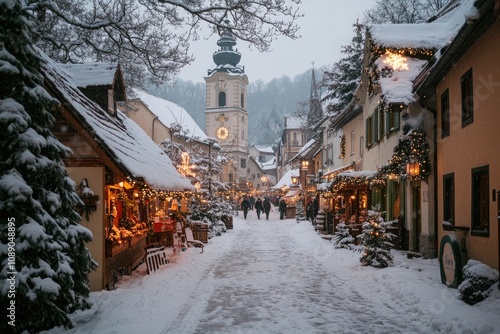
(315, 110)
(226, 59)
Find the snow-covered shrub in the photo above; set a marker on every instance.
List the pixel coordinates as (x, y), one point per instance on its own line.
(478, 281)
(300, 213)
(376, 241)
(342, 238)
(211, 212)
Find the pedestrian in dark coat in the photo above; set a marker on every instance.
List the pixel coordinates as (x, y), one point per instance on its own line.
(259, 207)
(282, 208)
(267, 207)
(315, 207)
(245, 205)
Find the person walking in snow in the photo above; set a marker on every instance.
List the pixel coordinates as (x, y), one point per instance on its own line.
(259, 207)
(267, 207)
(245, 205)
(282, 208)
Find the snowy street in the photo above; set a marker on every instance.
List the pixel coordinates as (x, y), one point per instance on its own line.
(279, 276)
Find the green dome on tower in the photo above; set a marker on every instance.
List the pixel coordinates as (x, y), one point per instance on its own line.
(226, 58)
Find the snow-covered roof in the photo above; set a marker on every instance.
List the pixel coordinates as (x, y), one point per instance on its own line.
(397, 88)
(169, 113)
(124, 141)
(308, 150)
(294, 122)
(270, 164)
(429, 35)
(264, 149)
(286, 179)
(92, 74)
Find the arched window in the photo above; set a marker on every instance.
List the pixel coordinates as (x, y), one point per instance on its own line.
(242, 100)
(222, 99)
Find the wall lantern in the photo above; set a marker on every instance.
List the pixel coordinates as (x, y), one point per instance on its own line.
(295, 180)
(304, 164)
(413, 168)
(263, 178)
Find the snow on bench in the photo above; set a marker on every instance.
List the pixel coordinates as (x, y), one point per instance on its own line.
(155, 259)
(191, 242)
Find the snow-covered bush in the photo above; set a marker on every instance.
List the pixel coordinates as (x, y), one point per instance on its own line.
(300, 213)
(376, 241)
(342, 238)
(211, 212)
(478, 281)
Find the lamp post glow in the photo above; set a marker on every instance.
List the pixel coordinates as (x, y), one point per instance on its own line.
(413, 168)
(211, 142)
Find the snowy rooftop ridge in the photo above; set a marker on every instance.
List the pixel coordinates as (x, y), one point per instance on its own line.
(286, 179)
(169, 113)
(429, 35)
(398, 87)
(123, 140)
(91, 74)
(294, 122)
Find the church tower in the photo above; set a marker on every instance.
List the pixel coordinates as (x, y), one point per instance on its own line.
(226, 108)
(315, 110)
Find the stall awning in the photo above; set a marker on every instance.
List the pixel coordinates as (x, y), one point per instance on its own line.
(292, 193)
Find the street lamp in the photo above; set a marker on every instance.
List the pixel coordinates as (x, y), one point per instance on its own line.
(264, 180)
(304, 168)
(211, 142)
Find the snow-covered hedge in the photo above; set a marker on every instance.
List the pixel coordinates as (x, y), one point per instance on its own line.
(478, 281)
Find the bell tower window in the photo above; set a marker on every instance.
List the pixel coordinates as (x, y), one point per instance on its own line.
(222, 99)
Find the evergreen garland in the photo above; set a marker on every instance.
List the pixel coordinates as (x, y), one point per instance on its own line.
(412, 146)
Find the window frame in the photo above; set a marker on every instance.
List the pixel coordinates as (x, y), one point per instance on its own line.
(467, 98)
(445, 113)
(369, 131)
(449, 198)
(480, 201)
(222, 101)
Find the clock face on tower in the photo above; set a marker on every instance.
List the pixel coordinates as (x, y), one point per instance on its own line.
(222, 132)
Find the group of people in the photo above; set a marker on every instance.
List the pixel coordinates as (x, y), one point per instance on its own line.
(262, 206)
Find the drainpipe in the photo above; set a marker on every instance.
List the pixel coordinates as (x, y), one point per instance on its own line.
(153, 128)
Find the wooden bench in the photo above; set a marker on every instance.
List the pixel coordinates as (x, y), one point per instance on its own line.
(156, 257)
(191, 242)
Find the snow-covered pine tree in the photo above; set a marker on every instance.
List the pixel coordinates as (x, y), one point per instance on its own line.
(42, 244)
(376, 241)
(342, 237)
(344, 77)
(300, 213)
